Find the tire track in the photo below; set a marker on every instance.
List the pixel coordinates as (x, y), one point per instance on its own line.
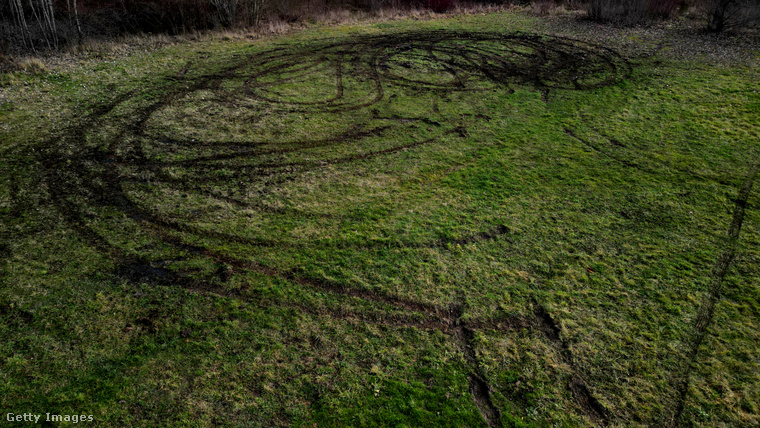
(480, 390)
(636, 165)
(119, 173)
(706, 312)
(591, 407)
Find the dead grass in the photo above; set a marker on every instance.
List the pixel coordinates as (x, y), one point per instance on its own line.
(28, 65)
(678, 39)
(547, 7)
(6, 63)
(340, 16)
(110, 47)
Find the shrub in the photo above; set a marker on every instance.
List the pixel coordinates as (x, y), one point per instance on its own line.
(631, 12)
(725, 14)
(440, 5)
(548, 7)
(172, 16)
(664, 8)
(31, 66)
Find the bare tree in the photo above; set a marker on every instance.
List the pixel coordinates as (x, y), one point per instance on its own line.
(46, 21)
(79, 27)
(226, 10)
(733, 13)
(37, 17)
(253, 11)
(20, 17)
(49, 17)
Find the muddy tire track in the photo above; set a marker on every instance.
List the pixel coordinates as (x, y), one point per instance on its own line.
(583, 397)
(466, 57)
(419, 316)
(480, 390)
(115, 175)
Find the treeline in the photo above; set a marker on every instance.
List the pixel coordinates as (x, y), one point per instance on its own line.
(97, 17)
(719, 14)
(28, 25)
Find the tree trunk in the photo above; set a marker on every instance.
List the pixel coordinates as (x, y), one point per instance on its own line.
(79, 27)
(39, 22)
(26, 35)
(49, 15)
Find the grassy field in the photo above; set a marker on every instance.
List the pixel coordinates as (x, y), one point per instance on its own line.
(466, 221)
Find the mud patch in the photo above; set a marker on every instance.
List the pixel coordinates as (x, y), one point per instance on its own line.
(479, 388)
(593, 409)
(481, 395)
(139, 272)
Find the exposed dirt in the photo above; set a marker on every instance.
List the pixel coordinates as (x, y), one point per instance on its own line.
(583, 397)
(479, 388)
(595, 411)
(145, 272)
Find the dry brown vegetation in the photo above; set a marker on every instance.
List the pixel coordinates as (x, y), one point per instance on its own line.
(32, 25)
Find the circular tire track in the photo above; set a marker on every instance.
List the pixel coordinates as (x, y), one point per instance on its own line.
(106, 184)
(144, 154)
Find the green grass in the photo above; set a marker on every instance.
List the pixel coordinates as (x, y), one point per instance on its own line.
(226, 246)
